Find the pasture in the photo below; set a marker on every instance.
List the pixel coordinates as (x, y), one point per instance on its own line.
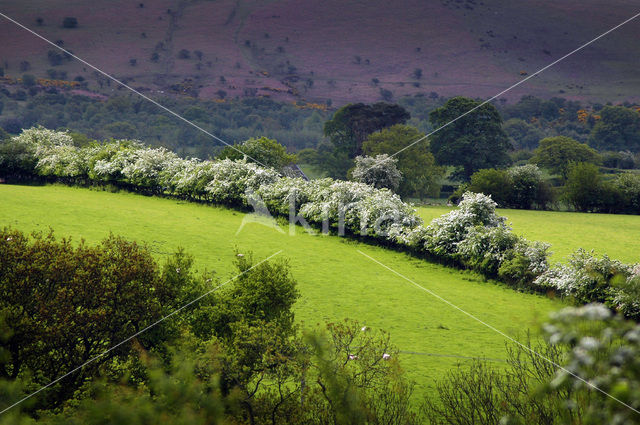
(335, 281)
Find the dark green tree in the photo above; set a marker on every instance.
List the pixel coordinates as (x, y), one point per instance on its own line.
(558, 153)
(351, 124)
(584, 188)
(471, 143)
(617, 130)
(496, 183)
(66, 304)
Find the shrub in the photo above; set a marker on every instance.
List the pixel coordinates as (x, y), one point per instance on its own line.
(585, 278)
(379, 171)
(66, 303)
(264, 151)
(528, 187)
(496, 183)
(584, 188)
(627, 188)
(446, 232)
(70, 22)
(472, 235)
(523, 263)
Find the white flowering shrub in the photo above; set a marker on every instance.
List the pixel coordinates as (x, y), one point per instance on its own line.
(524, 263)
(526, 181)
(288, 194)
(603, 350)
(114, 157)
(485, 248)
(448, 231)
(61, 161)
(356, 207)
(188, 178)
(587, 278)
(38, 140)
(380, 171)
(232, 179)
(143, 167)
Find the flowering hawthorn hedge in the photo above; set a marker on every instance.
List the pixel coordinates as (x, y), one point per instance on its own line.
(471, 236)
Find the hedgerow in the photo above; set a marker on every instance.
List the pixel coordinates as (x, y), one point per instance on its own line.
(472, 236)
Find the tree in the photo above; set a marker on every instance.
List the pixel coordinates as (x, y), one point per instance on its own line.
(379, 171)
(557, 154)
(496, 183)
(473, 142)
(28, 80)
(66, 303)
(420, 174)
(528, 187)
(70, 22)
(264, 151)
(522, 135)
(351, 124)
(584, 187)
(618, 129)
(16, 159)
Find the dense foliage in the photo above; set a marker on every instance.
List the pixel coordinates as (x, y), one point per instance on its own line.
(421, 175)
(379, 171)
(517, 187)
(125, 116)
(63, 305)
(263, 151)
(470, 136)
(558, 153)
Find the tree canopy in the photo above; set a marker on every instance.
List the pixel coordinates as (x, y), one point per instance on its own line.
(351, 124)
(473, 142)
(617, 129)
(264, 151)
(420, 174)
(349, 127)
(557, 153)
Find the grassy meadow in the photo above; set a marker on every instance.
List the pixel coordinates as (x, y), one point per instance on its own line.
(616, 235)
(335, 281)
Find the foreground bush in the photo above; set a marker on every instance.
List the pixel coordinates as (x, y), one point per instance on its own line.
(61, 305)
(592, 346)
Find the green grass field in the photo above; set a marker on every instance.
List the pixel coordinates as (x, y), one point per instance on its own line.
(616, 235)
(335, 281)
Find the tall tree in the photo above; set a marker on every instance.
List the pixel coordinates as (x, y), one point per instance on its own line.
(472, 142)
(420, 174)
(351, 124)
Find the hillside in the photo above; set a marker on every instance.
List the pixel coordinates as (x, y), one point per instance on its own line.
(331, 51)
(335, 281)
